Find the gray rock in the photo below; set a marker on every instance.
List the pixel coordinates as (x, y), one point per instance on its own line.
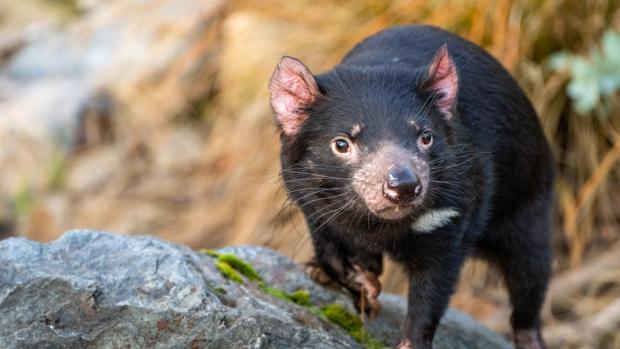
(95, 290)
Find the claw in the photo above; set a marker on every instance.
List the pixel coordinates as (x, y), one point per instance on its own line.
(362, 283)
(404, 344)
(367, 280)
(369, 287)
(371, 305)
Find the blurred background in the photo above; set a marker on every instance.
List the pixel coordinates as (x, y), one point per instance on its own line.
(152, 117)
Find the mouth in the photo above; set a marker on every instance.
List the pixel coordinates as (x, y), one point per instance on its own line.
(394, 213)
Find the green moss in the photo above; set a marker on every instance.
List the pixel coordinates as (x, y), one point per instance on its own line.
(276, 293)
(231, 266)
(209, 252)
(234, 262)
(317, 312)
(339, 315)
(301, 297)
(228, 271)
(368, 340)
(220, 289)
(239, 265)
(373, 343)
(352, 324)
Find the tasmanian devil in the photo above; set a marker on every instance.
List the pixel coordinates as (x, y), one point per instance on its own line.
(420, 145)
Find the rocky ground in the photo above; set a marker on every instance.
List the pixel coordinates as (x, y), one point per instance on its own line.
(92, 289)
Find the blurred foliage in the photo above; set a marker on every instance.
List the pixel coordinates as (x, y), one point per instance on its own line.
(593, 77)
(70, 7)
(58, 171)
(23, 201)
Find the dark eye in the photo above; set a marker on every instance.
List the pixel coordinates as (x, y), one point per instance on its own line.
(426, 138)
(341, 145)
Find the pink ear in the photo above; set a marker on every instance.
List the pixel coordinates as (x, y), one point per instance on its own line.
(443, 80)
(292, 89)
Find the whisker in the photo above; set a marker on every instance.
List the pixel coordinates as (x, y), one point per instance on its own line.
(340, 210)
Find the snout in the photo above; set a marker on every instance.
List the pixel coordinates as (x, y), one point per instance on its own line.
(392, 181)
(401, 185)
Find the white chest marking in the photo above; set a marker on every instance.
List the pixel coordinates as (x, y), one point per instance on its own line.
(434, 219)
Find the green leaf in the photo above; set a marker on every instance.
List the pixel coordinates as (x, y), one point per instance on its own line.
(593, 77)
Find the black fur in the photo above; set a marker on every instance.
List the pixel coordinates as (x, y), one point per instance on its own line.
(490, 161)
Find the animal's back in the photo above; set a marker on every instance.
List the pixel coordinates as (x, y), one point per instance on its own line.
(502, 123)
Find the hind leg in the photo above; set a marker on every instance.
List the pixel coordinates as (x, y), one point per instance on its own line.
(521, 247)
(527, 278)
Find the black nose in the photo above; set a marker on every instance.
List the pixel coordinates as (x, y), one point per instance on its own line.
(402, 185)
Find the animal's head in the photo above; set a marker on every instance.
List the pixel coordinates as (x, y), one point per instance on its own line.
(370, 140)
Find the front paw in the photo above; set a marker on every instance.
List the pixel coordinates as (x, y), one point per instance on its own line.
(528, 339)
(367, 284)
(319, 275)
(404, 344)
(364, 285)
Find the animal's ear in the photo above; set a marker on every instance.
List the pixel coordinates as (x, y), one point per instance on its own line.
(442, 81)
(293, 88)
